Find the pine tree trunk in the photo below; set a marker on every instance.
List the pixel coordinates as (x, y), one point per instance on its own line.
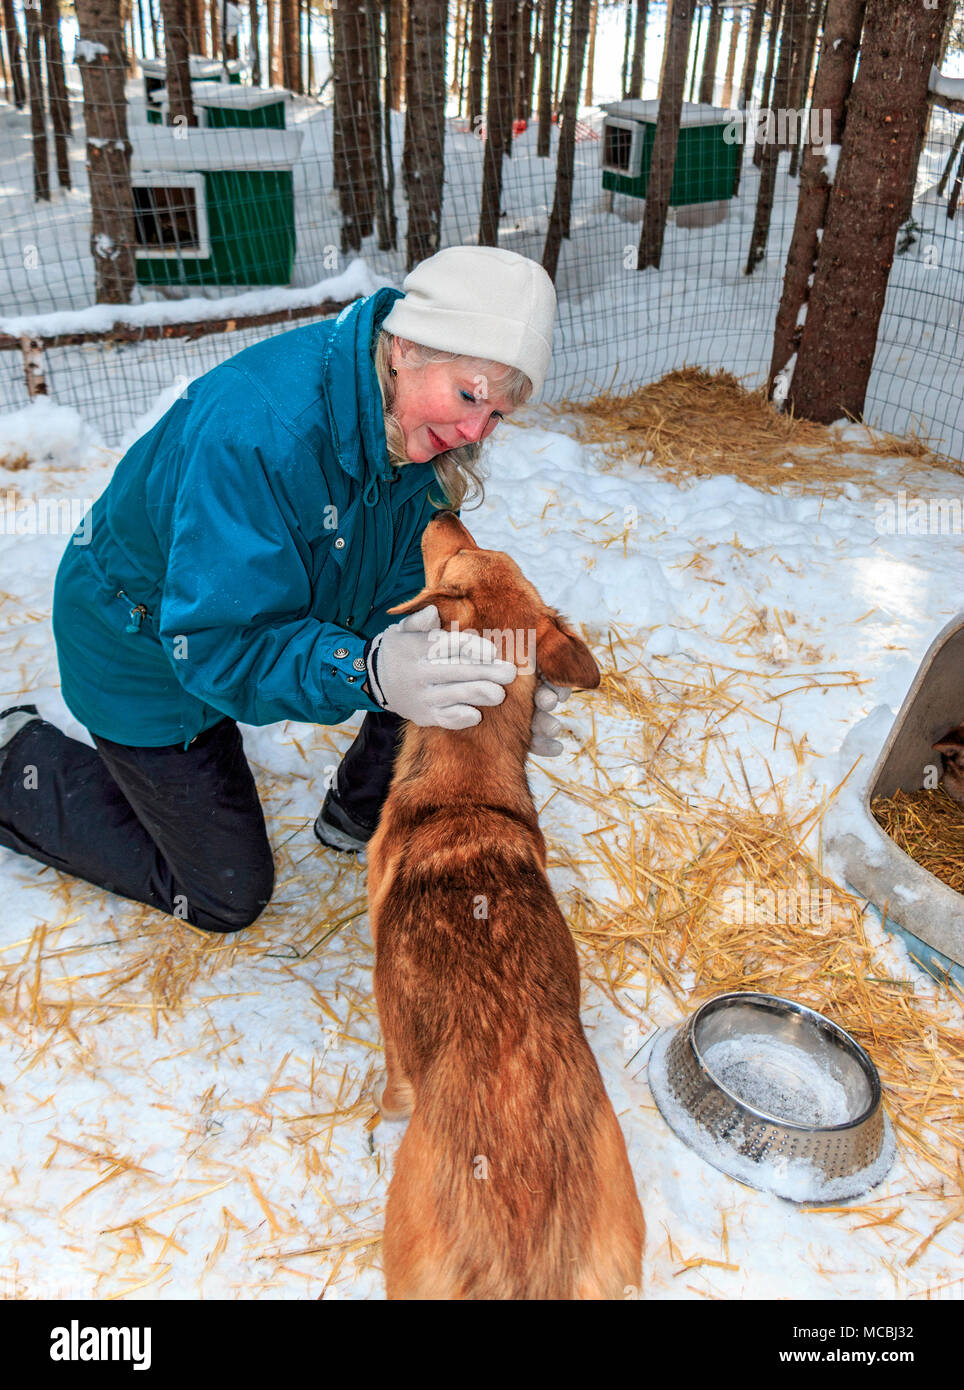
(557, 85)
(794, 25)
(14, 54)
(354, 148)
(177, 67)
(388, 7)
(546, 49)
(726, 98)
(290, 48)
(772, 46)
(528, 64)
(270, 7)
(57, 88)
(672, 82)
(476, 60)
(38, 123)
(108, 150)
(498, 120)
(838, 52)
(214, 18)
(801, 90)
(565, 158)
(627, 45)
(696, 50)
(196, 33)
(396, 46)
(752, 53)
(591, 57)
(255, 24)
(749, 80)
(886, 113)
(711, 55)
(637, 71)
(424, 157)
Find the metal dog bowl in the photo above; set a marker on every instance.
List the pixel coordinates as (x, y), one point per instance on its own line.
(776, 1096)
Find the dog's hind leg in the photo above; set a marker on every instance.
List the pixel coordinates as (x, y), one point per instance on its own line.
(394, 1094)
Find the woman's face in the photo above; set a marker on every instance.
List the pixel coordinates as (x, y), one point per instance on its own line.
(444, 405)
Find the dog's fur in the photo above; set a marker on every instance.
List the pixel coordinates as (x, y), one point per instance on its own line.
(951, 749)
(512, 1179)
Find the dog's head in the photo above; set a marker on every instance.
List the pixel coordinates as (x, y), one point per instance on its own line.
(951, 747)
(484, 591)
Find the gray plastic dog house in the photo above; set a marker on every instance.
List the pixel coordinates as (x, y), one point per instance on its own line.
(914, 899)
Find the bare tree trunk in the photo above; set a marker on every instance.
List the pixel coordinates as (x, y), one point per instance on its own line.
(565, 159)
(749, 79)
(726, 98)
(801, 91)
(498, 120)
(546, 47)
(14, 54)
(290, 47)
(57, 88)
(711, 55)
(214, 18)
(476, 59)
(396, 45)
(389, 7)
(254, 22)
(672, 82)
(102, 71)
(354, 150)
(177, 67)
(752, 53)
(627, 44)
(637, 71)
(424, 157)
(528, 63)
(696, 48)
(772, 44)
(794, 24)
(152, 17)
(838, 52)
(557, 84)
(900, 41)
(591, 57)
(38, 123)
(270, 19)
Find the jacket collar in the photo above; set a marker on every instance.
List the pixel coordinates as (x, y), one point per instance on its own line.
(355, 416)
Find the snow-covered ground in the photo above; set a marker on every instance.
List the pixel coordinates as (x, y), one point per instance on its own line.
(183, 1116)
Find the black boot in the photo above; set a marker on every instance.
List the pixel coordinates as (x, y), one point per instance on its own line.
(349, 815)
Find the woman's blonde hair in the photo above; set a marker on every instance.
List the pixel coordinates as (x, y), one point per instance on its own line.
(458, 470)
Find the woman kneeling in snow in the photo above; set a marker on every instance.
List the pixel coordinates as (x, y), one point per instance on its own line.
(241, 565)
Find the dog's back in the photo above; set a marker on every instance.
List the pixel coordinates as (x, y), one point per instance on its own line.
(512, 1180)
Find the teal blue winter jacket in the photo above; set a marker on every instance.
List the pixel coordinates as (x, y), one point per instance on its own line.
(246, 547)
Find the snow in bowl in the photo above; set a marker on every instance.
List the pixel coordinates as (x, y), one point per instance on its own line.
(775, 1095)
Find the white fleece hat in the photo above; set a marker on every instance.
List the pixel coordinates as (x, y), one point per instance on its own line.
(481, 301)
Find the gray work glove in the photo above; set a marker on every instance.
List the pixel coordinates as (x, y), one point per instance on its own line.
(433, 677)
(544, 727)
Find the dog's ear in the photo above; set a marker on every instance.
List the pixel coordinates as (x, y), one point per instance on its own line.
(427, 596)
(562, 657)
(952, 742)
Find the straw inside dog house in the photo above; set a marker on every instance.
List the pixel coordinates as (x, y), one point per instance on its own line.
(918, 902)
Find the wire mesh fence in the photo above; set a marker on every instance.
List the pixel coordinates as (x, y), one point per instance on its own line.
(322, 150)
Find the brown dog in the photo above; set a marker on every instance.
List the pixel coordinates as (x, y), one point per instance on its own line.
(512, 1180)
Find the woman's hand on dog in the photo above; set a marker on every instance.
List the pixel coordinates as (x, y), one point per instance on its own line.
(544, 728)
(436, 677)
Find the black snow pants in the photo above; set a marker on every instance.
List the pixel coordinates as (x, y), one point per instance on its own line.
(181, 829)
